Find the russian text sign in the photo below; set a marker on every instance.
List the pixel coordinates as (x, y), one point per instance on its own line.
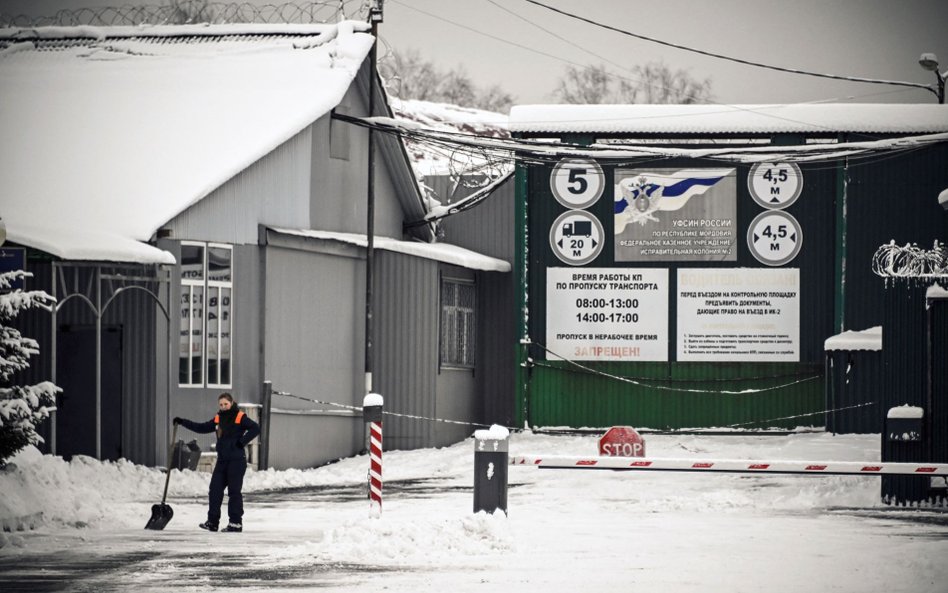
(607, 314)
(739, 315)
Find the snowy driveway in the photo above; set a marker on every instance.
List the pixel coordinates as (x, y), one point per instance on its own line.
(566, 531)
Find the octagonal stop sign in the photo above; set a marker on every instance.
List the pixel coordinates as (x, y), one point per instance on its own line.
(622, 441)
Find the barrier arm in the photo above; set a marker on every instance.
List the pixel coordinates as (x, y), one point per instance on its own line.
(743, 466)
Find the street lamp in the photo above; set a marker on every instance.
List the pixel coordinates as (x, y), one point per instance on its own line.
(930, 62)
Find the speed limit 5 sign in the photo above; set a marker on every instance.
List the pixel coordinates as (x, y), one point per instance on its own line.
(577, 183)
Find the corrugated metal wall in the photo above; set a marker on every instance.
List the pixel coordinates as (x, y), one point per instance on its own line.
(313, 343)
(854, 391)
(406, 338)
(906, 356)
(938, 312)
(275, 190)
(560, 395)
(893, 199)
(489, 229)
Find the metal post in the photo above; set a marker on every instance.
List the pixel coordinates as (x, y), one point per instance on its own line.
(521, 411)
(98, 362)
(376, 18)
(491, 453)
(53, 347)
(265, 421)
(372, 414)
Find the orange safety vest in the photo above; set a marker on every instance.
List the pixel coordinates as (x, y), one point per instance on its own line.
(217, 421)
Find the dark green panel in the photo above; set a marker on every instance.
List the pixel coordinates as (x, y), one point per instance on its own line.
(676, 395)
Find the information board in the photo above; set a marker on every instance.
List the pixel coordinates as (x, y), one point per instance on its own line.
(738, 315)
(618, 314)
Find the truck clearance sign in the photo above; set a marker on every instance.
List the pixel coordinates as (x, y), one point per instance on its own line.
(617, 314)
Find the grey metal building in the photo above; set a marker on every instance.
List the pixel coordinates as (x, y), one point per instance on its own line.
(253, 267)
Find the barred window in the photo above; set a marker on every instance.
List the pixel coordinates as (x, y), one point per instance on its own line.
(457, 324)
(206, 324)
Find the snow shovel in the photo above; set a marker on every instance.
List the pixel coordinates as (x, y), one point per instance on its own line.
(162, 513)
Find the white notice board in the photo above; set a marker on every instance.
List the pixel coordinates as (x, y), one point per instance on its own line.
(607, 314)
(739, 314)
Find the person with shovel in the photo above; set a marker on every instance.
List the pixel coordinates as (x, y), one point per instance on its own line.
(234, 430)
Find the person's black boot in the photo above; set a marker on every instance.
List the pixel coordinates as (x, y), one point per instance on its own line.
(233, 527)
(208, 525)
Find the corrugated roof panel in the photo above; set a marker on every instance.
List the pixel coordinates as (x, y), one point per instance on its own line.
(730, 119)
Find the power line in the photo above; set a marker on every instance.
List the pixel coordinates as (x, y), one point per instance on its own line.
(610, 74)
(730, 58)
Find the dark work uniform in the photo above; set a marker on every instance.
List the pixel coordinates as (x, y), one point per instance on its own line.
(234, 431)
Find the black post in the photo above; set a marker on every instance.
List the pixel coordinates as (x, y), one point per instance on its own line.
(491, 453)
(375, 16)
(264, 462)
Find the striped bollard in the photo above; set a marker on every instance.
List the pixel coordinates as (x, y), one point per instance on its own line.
(372, 413)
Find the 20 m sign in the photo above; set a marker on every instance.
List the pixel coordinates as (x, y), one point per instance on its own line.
(774, 237)
(576, 237)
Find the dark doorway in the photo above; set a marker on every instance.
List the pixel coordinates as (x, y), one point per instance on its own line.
(75, 415)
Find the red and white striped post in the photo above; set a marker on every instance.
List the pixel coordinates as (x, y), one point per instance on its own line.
(372, 414)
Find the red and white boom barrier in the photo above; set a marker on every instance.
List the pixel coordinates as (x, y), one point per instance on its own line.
(837, 468)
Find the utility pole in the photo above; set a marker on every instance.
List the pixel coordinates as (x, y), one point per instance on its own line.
(375, 17)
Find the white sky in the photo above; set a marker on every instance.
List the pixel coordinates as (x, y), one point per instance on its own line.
(867, 38)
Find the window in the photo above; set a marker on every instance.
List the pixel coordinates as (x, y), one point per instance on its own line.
(457, 324)
(206, 315)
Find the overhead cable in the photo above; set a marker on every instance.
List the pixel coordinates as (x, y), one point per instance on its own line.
(731, 58)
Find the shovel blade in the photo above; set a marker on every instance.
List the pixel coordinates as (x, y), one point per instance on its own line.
(160, 515)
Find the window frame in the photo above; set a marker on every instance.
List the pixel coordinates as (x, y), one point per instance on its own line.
(207, 286)
(468, 327)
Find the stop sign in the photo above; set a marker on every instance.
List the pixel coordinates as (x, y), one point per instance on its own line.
(622, 441)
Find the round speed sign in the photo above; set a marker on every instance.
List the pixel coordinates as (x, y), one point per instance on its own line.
(577, 183)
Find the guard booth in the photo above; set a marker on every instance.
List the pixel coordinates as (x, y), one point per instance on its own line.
(915, 394)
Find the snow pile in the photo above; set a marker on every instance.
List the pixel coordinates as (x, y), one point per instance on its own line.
(566, 531)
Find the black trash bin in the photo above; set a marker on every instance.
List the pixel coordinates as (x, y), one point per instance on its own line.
(186, 456)
(903, 441)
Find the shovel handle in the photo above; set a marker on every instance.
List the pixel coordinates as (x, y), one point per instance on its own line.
(174, 436)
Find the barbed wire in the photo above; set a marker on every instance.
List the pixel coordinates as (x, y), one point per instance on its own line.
(182, 12)
(910, 261)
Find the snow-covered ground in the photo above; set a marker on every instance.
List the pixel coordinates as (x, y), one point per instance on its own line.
(565, 531)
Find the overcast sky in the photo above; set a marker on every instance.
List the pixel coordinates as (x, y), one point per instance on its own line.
(525, 48)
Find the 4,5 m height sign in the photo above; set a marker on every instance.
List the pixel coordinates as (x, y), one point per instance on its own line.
(618, 314)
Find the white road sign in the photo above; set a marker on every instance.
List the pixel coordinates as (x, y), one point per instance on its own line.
(774, 237)
(576, 237)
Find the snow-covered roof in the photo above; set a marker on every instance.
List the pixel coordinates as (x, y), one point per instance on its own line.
(442, 252)
(431, 159)
(111, 132)
(730, 119)
(867, 339)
